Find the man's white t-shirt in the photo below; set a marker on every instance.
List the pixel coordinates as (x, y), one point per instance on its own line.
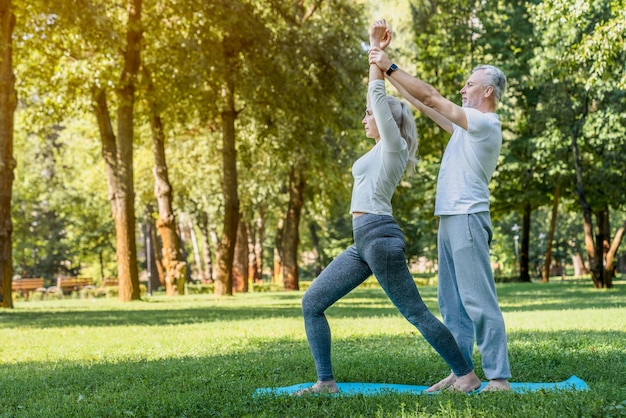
(468, 164)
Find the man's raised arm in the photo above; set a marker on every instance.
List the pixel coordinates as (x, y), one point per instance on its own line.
(429, 101)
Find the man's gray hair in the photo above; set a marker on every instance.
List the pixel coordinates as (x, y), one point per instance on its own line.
(495, 78)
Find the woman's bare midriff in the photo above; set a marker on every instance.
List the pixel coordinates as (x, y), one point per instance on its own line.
(357, 214)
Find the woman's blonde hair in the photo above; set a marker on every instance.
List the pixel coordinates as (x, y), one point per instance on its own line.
(406, 123)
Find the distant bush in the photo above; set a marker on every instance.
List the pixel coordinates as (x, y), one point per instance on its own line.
(198, 289)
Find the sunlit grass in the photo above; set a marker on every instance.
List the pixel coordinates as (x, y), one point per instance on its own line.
(200, 356)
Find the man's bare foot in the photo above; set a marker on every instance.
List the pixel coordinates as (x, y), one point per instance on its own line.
(327, 386)
(468, 383)
(497, 385)
(442, 384)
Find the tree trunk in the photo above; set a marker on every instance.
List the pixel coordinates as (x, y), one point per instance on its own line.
(253, 273)
(315, 241)
(277, 275)
(579, 264)
(125, 223)
(600, 239)
(151, 249)
(259, 236)
(524, 274)
(240, 260)
(175, 268)
(195, 245)
(605, 246)
(181, 230)
(291, 239)
(125, 251)
(595, 259)
(226, 246)
(609, 267)
(202, 220)
(252, 264)
(545, 273)
(8, 103)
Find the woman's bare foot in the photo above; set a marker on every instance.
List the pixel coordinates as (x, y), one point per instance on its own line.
(468, 383)
(442, 384)
(497, 385)
(327, 386)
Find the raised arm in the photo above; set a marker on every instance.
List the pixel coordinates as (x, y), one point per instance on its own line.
(423, 92)
(378, 36)
(435, 116)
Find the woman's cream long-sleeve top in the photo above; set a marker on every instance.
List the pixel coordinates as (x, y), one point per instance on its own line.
(378, 172)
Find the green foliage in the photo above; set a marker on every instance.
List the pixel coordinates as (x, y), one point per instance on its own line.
(577, 100)
(300, 90)
(62, 218)
(595, 32)
(204, 356)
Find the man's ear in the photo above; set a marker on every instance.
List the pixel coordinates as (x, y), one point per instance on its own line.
(489, 91)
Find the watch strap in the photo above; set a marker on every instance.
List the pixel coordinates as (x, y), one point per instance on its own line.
(392, 68)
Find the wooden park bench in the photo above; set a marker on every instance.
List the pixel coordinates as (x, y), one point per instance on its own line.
(71, 284)
(25, 286)
(109, 282)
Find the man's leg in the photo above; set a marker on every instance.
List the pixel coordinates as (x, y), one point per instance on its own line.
(477, 290)
(450, 304)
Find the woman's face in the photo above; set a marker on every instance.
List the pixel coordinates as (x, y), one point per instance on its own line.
(369, 123)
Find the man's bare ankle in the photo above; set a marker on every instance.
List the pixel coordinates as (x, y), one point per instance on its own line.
(497, 384)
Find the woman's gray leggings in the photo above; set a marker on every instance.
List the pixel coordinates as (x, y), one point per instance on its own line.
(378, 249)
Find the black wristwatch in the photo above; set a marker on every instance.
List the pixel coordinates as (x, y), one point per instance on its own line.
(391, 69)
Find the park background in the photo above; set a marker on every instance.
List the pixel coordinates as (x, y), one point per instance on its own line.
(207, 145)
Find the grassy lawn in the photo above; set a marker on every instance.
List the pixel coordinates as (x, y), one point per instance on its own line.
(199, 356)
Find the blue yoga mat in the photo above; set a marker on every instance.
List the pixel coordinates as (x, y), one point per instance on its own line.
(573, 383)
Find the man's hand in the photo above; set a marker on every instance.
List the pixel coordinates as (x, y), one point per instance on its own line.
(380, 34)
(379, 57)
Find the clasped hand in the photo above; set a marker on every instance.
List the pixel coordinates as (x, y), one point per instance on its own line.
(380, 34)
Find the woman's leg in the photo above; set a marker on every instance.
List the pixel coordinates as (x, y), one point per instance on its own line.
(340, 277)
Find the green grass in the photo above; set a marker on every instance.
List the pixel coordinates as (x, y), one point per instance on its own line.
(200, 356)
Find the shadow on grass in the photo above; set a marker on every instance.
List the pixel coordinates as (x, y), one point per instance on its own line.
(360, 303)
(224, 385)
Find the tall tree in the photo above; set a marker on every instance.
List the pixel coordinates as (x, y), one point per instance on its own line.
(117, 150)
(81, 43)
(291, 241)
(8, 103)
(233, 73)
(175, 268)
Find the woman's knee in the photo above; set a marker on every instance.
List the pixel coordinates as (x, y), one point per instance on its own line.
(311, 305)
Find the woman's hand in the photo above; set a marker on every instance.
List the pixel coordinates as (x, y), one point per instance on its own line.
(380, 34)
